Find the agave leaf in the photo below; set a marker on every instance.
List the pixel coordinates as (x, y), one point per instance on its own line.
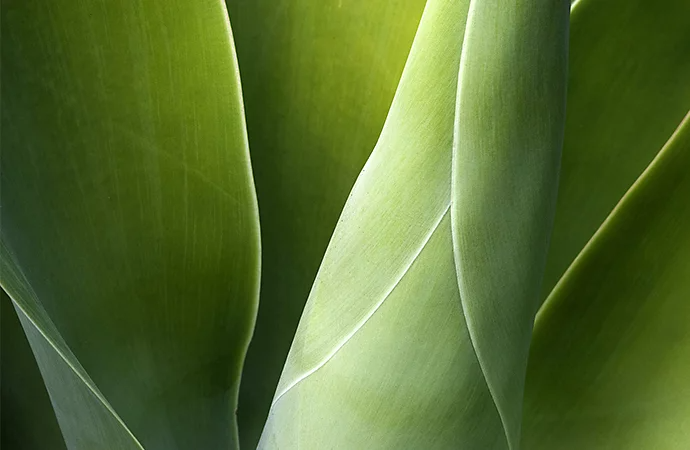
(628, 90)
(318, 79)
(508, 139)
(610, 361)
(129, 209)
(28, 421)
(385, 332)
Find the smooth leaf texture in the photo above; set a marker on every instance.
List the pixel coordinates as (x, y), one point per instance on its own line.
(28, 421)
(507, 150)
(318, 78)
(387, 292)
(609, 362)
(628, 89)
(128, 206)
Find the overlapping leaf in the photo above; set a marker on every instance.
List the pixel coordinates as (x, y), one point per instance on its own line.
(391, 293)
(628, 89)
(85, 416)
(28, 420)
(508, 137)
(128, 205)
(129, 212)
(609, 361)
(606, 368)
(318, 78)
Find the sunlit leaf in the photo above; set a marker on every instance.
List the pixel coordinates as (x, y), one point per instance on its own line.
(318, 78)
(392, 295)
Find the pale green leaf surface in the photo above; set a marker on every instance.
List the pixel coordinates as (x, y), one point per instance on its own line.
(28, 421)
(610, 360)
(628, 89)
(507, 150)
(397, 204)
(407, 379)
(318, 78)
(127, 200)
(387, 292)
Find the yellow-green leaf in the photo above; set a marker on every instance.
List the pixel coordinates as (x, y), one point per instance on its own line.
(318, 78)
(387, 296)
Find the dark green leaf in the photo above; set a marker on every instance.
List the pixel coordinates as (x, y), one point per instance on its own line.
(628, 89)
(610, 360)
(128, 205)
(28, 421)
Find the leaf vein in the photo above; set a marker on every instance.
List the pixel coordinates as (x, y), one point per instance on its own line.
(366, 318)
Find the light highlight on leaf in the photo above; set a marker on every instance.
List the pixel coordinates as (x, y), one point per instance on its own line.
(393, 245)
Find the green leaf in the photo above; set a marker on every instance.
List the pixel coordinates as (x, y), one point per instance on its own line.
(628, 89)
(384, 335)
(318, 79)
(28, 421)
(86, 418)
(610, 359)
(508, 139)
(129, 209)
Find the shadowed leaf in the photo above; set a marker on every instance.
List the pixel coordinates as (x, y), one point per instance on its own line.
(609, 360)
(628, 89)
(28, 420)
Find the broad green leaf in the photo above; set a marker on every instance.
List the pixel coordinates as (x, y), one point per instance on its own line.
(128, 205)
(318, 78)
(383, 356)
(628, 89)
(28, 421)
(610, 360)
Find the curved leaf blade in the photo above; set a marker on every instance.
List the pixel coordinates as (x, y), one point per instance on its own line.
(318, 80)
(393, 246)
(409, 166)
(508, 140)
(128, 202)
(627, 91)
(609, 361)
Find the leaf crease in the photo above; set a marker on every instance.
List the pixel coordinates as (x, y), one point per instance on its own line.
(361, 324)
